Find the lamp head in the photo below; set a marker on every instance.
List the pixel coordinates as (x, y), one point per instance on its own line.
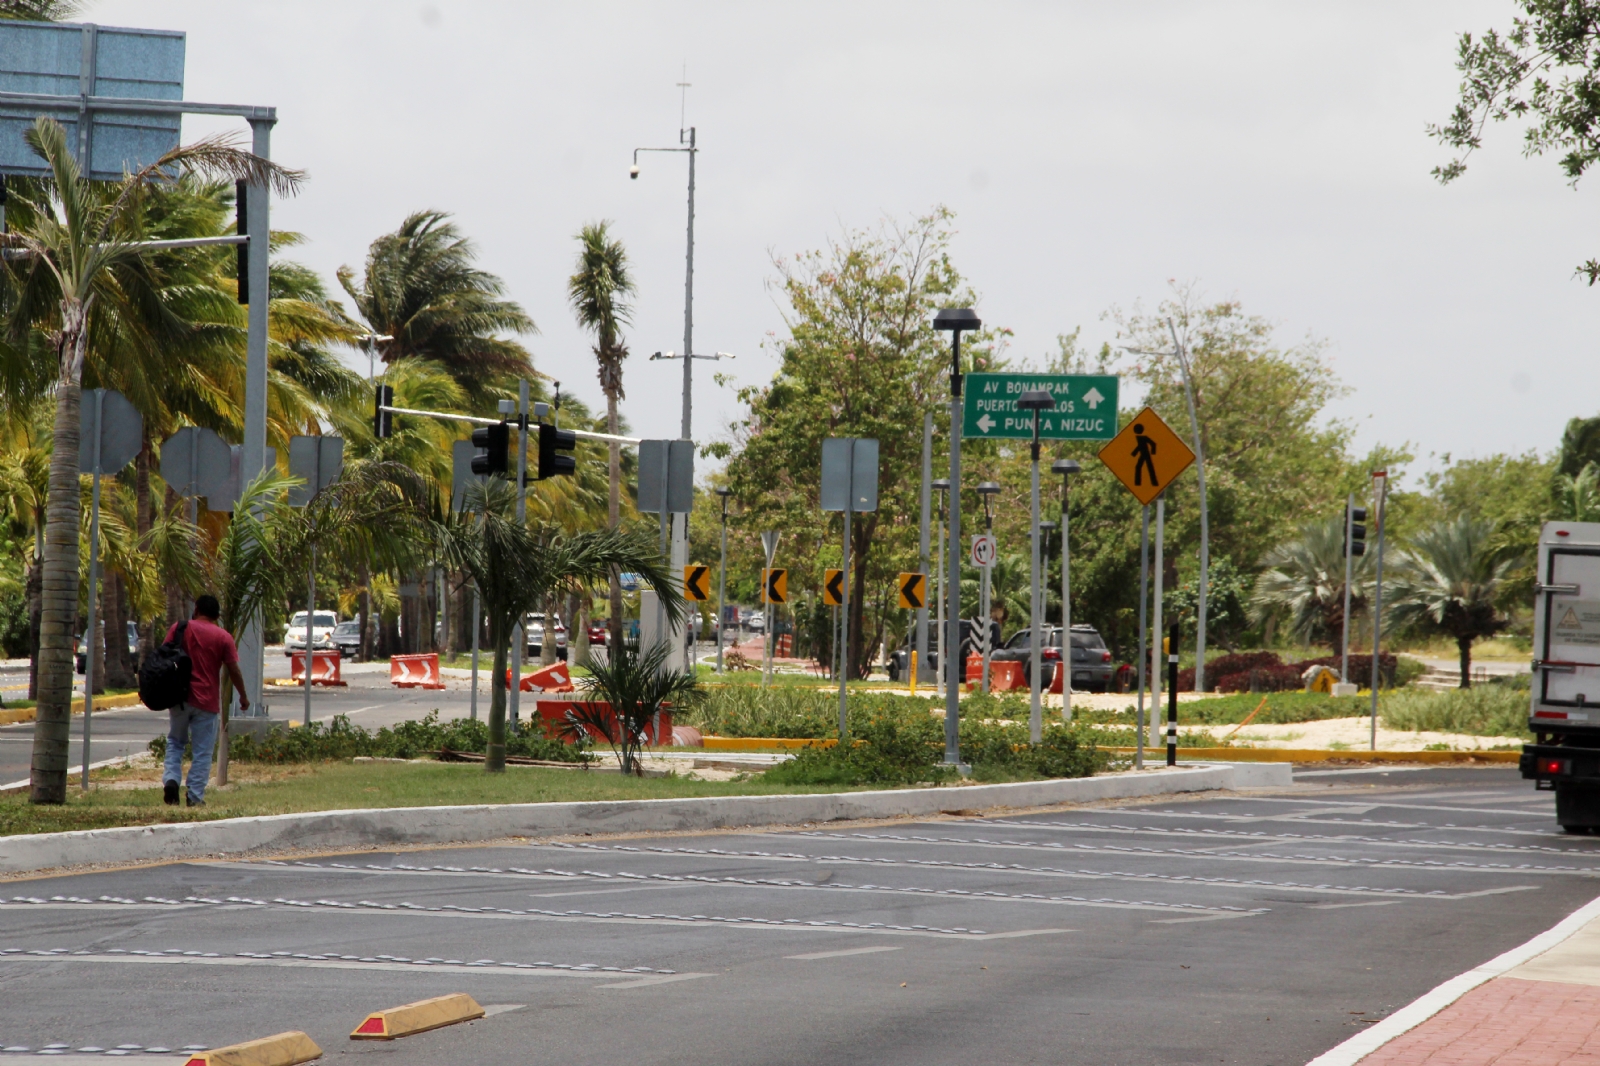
(633, 171)
(988, 488)
(957, 319)
(1036, 400)
(940, 484)
(1066, 467)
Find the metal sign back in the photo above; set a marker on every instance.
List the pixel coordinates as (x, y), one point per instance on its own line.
(849, 474)
(223, 494)
(666, 476)
(76, 61)
(120, 430)
(189, 474)
(316, 462)
(1086, 406)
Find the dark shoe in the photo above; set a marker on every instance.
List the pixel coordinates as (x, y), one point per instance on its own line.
(194, 801)
(169, 794)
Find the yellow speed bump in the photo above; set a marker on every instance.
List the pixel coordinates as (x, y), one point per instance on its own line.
(285, 1049)
(418, 1017)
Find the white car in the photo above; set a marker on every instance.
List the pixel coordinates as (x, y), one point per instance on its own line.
(294, 632)
(533, 629)
(757, 622)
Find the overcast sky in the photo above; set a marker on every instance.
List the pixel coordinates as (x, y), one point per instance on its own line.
(1270, 152)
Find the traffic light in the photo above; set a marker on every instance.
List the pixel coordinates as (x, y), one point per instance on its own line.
(383, 421)
(496, 442)
(1355, 531)
(552, 441)
(241, 219)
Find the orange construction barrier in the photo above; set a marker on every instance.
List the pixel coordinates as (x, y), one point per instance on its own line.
(784, 646)
(553, 678)
(1061, 673)
(415, 671)
(974, 669)
(1006, 676)
(324, 668)
(554, 713)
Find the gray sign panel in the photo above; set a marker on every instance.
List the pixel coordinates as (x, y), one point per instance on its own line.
(849, 472)
(666, 475)
(317, 462)
(224, 493)
(119, 428)
(461, 475)
(194, 458)
(81, 60)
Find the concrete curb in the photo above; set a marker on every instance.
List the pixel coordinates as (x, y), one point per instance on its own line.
(101, 703)
(407, 826)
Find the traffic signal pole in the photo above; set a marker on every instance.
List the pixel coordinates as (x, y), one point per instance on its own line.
(1349, 568)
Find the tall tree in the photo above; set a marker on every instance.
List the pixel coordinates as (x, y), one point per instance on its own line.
(421, 287)
(67, 270)
(599, 292)
(1302, 583)
(1448, 581)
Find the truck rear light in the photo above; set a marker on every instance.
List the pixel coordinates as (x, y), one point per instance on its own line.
(1549, 714)
(1554, 766)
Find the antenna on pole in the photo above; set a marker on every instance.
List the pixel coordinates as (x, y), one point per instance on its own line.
(683, 98)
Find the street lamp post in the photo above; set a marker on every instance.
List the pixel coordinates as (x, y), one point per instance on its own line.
(1066, 468)
(722, 573)
(1035, 400)
(955, 321)
(986, 489)
(942, 486)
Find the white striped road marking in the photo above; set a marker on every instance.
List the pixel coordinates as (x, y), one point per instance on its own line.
(1368, 824)
(1340, 838)
(1346, 807)
(491, 1009)
(840, 954)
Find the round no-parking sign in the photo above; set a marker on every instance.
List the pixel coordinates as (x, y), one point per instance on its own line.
(983, 549)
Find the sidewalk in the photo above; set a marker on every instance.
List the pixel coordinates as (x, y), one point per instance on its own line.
(1536, 1005)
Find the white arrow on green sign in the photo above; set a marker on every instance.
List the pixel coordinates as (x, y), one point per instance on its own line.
(1086, 406)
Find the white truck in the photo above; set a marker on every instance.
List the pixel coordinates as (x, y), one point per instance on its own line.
(1565, 712)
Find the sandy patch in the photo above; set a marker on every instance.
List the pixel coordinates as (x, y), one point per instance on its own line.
(1348, 734)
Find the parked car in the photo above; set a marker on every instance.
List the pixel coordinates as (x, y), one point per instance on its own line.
(294, 632)
(133, 647)
(1091, 659)
(900, 658)
(533, 629)
(598, 634)
(756, 622)
(346, 637)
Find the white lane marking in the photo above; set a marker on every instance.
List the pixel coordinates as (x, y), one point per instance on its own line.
(1298, 774)
(491, 1009)
(1204, 918)
(647, 981)
(331, 964)
(1305, 818)
(1347, 807)
(841, 954)
(1426, 1006)
(597, 891)
(1345, 906)
(358, 710)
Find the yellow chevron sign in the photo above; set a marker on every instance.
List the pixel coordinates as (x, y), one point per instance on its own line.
(775, 585)
(697, 583)
(833, 587)
(913, 591)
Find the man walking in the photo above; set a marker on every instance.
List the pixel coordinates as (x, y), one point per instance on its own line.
(194, 721)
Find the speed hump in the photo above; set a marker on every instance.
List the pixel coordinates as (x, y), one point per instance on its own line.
(913, 591)
(1146, 456)
(697, 583)
(774, 585)
(833, 587)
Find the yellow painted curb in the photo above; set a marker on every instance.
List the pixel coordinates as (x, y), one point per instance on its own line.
(763, 743)
(101, 703)
(285, 1049)
(418, 1017)
(1325, 755)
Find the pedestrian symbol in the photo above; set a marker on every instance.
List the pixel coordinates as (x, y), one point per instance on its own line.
(775, 585)
(697, 583)
(833, 587)
(913, 591)
(1146, 456)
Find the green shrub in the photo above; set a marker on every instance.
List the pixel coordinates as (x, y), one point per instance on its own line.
(338, 739)
(1491, 710)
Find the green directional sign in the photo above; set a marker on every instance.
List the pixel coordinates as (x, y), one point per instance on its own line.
(1086, 406)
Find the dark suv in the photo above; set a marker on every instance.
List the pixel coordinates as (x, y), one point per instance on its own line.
(1092, 668)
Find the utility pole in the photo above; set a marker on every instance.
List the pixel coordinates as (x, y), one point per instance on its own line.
(938, 593)
(921, 643)
(722, 574)
(1066, 468)
(1035, 401)
(1144, 603)
(1205, 519)
(954, 321)
(518, 637)
(1380, 495)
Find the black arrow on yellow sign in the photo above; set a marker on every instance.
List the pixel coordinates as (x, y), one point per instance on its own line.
(697, 583)
(913, 591)
(775, 585)
(833, 587)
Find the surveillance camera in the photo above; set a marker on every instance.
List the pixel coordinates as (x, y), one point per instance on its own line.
(633, 171)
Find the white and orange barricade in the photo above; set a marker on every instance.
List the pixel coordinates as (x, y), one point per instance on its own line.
(1061, 673)
(324, 668)
(553, 678)
(415, 671)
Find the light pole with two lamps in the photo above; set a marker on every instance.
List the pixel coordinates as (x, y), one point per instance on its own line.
(941, 486)
(1035, 400)
(955, 321)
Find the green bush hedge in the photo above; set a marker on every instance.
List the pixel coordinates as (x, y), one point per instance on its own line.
(338, 739)
(1496, 709)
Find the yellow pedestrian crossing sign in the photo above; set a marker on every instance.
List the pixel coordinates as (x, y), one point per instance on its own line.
(833, 587)
(1146, 456)
(697, 583)
(774, 585)
(913, 591)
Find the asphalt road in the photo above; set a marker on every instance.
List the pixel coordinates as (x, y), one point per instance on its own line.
(1260, 928)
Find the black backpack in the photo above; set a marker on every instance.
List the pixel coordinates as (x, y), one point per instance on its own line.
(164, 674)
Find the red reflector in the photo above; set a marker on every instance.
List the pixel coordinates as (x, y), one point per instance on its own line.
(1561, 532)
(372, 1025)
(1554, 766)
(196, 1061)
(1549, 714)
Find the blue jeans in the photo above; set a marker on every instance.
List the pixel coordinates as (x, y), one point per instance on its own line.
(191, 726)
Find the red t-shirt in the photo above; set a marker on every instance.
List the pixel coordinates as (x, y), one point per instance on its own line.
(210, 649)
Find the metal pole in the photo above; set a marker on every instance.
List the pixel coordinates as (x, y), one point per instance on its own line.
(1172, 697)
(844, 616)
(1378, 504)
(1158, 573)
(952, 663)
(985, 626)
(1066, 611)
(311, 607)
(477, 624)
(939, 599)
(1205, 519)
(1349, 567)
(688, 301)
(1144, 597)
(90, 636)
(519, 639)
(921, 642)
(253, 450)
(722, 583)
(1035, 596)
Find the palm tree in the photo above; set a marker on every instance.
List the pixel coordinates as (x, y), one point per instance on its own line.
(1578, 495)
(1302, 583)
(598, 293)
(516, 567)
(1447, 582)
(421, 288)
(74, 262)
(634, 686)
